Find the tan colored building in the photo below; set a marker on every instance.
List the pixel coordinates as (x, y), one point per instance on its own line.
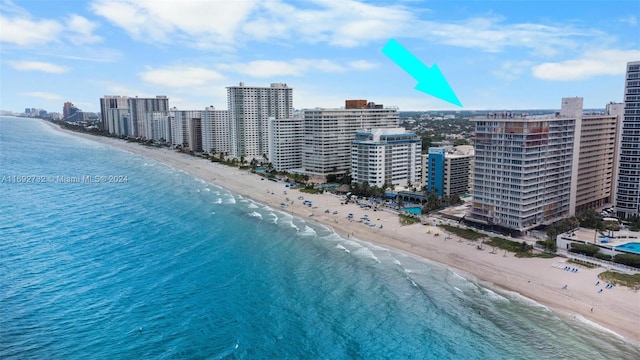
(597, 161)
(535, 170)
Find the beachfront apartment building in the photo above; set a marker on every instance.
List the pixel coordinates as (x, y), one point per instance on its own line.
(138, 109)
(522, 170)
(186, 128)
(596, 176)
(67, 109)
(328, 134)
(215, 130)
(449, 170)
(159, 123)
(385, 156)
(114, 111)
(535, 170)
(285, 142)
(627, 202)
(250, 108)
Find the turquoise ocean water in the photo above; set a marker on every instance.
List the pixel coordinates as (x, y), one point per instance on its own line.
(166, 266)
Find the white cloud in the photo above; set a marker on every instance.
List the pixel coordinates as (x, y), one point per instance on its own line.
(346, 23)
(266, 68)
(213, 97)
(295, 67)
(511, 70)
(42, 95)
(189, 20)
(362, 65)
(38, 66)
(181, 76)
(201, 24)
(19, 28)
(631, 20)
(490, 34)
(352, 23)
(81, 30)
(99, 55)
(119, 89)
(594, 63)
(26, 32)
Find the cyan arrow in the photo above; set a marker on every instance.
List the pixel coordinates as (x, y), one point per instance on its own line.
(430, 80)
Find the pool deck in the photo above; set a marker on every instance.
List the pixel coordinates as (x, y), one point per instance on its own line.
(590, 236)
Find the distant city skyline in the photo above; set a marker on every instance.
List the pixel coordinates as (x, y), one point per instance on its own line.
(495, 55)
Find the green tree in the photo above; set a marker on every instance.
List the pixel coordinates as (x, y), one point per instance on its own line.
(346, 178)
(455, 200)
(634, 223)
(433, 202)
(591, 219)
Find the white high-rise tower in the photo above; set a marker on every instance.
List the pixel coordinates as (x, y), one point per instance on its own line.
(250, 108)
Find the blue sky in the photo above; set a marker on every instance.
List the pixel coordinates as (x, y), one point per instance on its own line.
(495, 54)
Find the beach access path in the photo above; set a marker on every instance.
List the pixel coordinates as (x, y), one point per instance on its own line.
(542, 280)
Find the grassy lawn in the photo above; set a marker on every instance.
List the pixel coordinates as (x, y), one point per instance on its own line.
(463, 233)
(408, 220)
(616, 278)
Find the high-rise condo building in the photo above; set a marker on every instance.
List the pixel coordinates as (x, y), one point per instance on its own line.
(114, 111)
(138, 108)
(215, 130)
(66, 109)
(328, 134)
(385, 156)
(449, 171)
(627, 202)
(596, 175)
(285, 142)
(186, 129)
(522, 170)
(535, 170)
(249, 111)
(159, 122)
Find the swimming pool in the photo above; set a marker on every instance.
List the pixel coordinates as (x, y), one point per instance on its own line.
(633, 247)
(416, 210)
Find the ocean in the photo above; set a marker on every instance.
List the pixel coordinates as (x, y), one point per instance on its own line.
(159, 264)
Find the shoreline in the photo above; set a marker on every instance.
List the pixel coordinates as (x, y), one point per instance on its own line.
(616, 311)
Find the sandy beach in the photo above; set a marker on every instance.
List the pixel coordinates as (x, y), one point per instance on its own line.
(542, 280)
